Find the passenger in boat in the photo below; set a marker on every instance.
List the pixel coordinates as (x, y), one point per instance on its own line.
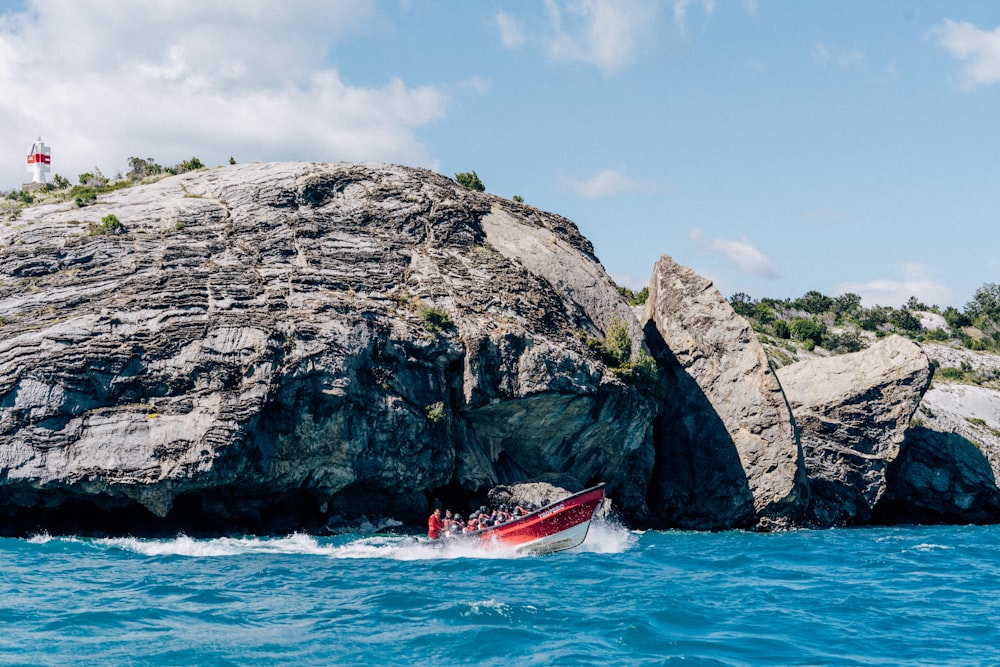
(472, 526)
(454, 527)
(484, 514)
(447, 520)
(434, 524)
(458, 525)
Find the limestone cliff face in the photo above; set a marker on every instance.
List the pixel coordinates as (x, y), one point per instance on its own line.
(949, 461)
(853, 412)
(729, 453)
(271, 344)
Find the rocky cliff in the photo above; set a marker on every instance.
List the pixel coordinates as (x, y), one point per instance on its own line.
(729, 453)
(853, 412)
(268, 347)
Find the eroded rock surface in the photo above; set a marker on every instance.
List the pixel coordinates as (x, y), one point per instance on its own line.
(852, 412)
(269, 345)
(729, 451)
(948, 464)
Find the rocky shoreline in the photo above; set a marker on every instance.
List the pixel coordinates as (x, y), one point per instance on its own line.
(270, 347)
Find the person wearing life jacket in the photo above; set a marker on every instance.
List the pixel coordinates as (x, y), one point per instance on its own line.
(447, 521)
(434, 524)
(484, 514)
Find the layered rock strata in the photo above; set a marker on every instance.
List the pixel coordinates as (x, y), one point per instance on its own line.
(729, 454)
(269, 345)
(852, 413)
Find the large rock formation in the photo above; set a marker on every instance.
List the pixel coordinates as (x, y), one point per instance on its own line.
(852, 412)
(729, 453)
(268, 345)
(947, 467)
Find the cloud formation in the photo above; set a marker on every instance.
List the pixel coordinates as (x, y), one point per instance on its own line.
(681, 9)
(742, 255)
(512, 34)
(822, 55)
(915, 281)
(608, 34)
(978, 50)
(609, 183)
(176, 79)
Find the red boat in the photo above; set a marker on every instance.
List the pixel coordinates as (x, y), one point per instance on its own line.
(555, 527)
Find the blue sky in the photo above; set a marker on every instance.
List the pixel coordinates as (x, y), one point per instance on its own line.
(774, 147)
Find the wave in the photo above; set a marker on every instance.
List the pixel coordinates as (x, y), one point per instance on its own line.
(605, 537)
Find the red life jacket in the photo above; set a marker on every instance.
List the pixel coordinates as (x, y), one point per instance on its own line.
(434, 526)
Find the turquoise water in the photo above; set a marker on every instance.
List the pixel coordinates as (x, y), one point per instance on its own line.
(898, 596)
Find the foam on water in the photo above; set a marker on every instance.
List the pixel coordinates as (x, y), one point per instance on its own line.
(608, 536)
(886, 596)
(182, 545)
(604, 537)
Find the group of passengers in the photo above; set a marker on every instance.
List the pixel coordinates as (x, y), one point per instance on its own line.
(451, 525)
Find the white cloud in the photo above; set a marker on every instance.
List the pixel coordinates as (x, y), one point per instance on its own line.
(609, 183)
(174, 79)
(915, 280)
(742, 255)
(608, 34)
(979, 51)
(681, 8)
(822, 55)
(511, 31)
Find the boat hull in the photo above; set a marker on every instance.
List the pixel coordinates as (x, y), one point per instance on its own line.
(561, 525)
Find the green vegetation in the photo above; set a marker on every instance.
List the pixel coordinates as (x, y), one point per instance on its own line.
(91, 184)
(965, 374)
(436, 319)
(617, 342)
(616, 351)
(139, 168)
(634, 298)
(470, 179)
(110, 225)
(434, 412)
(840, 324)
(21, 197)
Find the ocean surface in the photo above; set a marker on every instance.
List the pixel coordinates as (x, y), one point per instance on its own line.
(886, 596)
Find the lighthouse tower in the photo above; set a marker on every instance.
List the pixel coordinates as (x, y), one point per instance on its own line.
(39, 162)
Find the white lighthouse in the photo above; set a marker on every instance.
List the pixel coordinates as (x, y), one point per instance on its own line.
(39, 161)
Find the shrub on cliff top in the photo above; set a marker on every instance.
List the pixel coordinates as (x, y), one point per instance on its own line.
(470, 179)
(110, 225)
